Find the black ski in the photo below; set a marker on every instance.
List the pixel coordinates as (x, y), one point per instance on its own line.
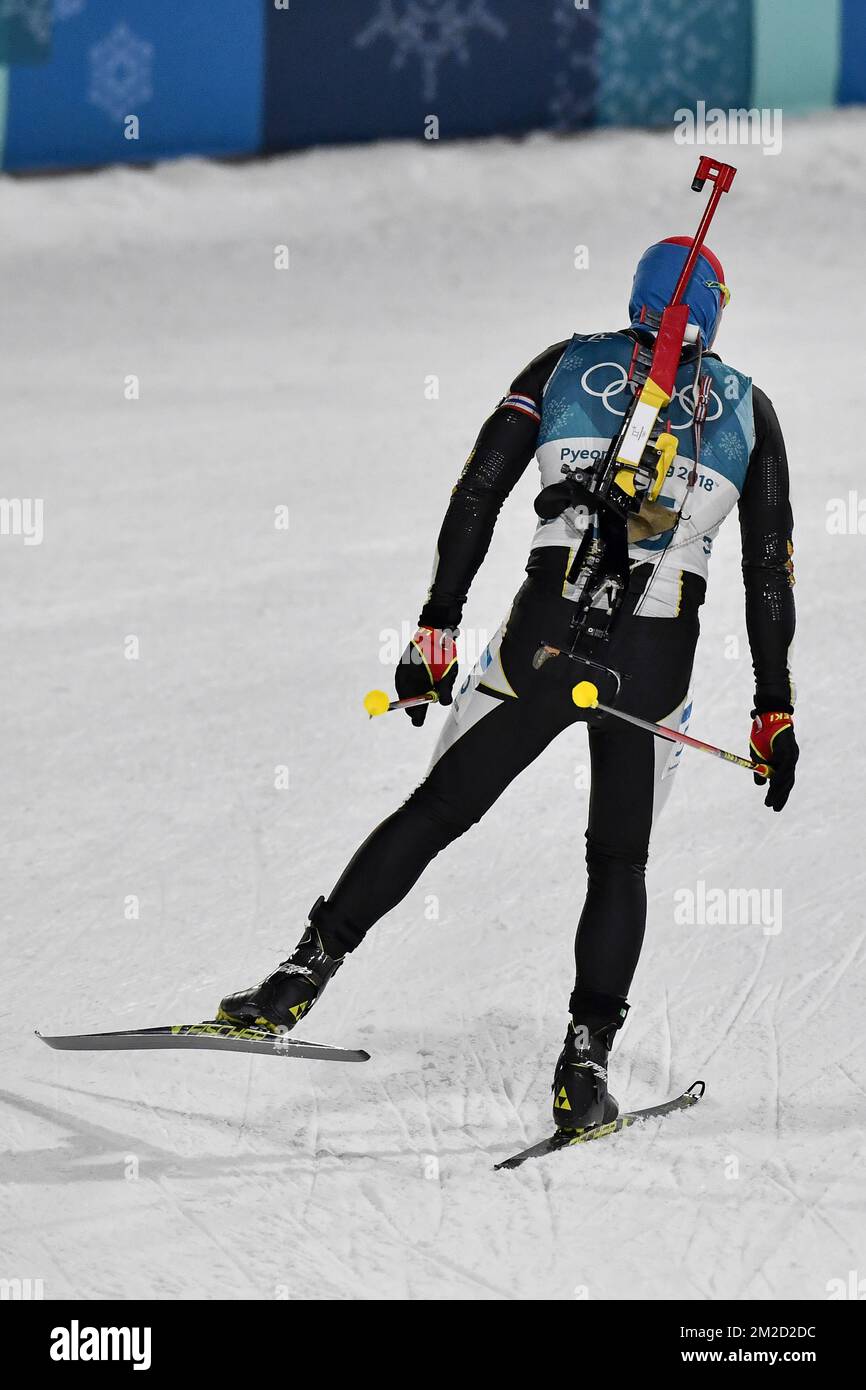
(563, 1139)
(224, 1037)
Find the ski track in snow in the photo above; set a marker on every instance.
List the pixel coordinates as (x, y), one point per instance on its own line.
(269, 1179)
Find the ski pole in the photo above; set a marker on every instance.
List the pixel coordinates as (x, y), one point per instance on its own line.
(377, 702)
(585, 696)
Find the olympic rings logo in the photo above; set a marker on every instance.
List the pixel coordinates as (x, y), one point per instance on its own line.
(619, 383)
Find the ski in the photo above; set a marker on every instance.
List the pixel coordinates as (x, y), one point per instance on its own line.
(564, 1139)
(224, 1037)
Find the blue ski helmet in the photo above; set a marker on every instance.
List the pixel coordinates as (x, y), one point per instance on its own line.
(656, 276)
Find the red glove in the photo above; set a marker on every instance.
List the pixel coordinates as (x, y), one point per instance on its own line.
(428, 663)
(772, 741)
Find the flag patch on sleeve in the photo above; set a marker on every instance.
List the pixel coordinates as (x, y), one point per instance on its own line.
(524, 403)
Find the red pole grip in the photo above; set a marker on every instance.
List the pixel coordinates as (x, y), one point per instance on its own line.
(722, 176)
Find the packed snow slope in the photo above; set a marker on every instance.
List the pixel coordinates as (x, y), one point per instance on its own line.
(167, 649)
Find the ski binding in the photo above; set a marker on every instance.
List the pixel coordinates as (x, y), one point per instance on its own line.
(564, 1138)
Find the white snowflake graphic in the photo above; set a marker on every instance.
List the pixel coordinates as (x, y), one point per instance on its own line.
(555, 416)
(432, 31)
(33, 15)
(684, 66)
(732, 446)
(598, 76)
(121, 72)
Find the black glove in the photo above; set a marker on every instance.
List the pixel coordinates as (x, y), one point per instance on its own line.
(428, 663)
(772, 742)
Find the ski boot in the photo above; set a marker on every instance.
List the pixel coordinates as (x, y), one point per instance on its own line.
(580, 1095)
(290, 991)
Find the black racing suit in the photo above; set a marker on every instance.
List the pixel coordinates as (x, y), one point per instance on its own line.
(654, 659)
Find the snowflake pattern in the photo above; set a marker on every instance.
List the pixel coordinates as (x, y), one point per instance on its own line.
(684, 64)
(432, 30)
(732, 446)
(575, 79)
(555, 416)
(571, 362)
(120, 72)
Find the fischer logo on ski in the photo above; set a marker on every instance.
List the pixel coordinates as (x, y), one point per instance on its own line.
(210, 1035)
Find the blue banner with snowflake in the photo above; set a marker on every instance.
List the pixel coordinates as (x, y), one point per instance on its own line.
(364, 69)
(656, 59)
(129, 80)
(368, 69)
(85, 82)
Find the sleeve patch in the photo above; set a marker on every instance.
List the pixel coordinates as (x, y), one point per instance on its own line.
(523, 403)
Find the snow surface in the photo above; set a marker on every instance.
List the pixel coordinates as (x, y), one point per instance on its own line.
(169, 1175)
